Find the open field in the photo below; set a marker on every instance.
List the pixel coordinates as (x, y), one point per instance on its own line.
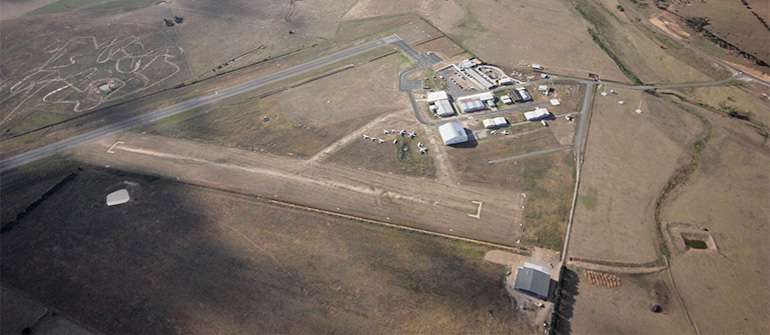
(180, 259)
(82, 66)
(545, 180)
(626, 308)
(629, 158)
(412, 201)
(402, 157)
(727, 196)
(642, 54)
(746, 100)
(266, 58)
(742, 24)
(487, 29)
(303, 119)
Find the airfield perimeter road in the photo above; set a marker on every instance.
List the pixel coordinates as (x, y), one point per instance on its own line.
(52, 149)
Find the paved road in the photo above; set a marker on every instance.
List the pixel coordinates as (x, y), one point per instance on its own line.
(52, 149)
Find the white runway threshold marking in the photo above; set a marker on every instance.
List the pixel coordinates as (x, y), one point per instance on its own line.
(478, 212)
(113, 147)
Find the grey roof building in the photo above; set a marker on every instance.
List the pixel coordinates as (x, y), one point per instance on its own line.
(533, 282)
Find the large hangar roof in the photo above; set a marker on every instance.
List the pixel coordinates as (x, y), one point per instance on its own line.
(453, 133)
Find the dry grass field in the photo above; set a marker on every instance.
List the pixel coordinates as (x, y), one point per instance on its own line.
(546, 180)
(303, 119)
(739, 23)
(640, 53)
(747, 100)
(726, 291)
(629, 158)
(181, 259)
(510, 33)
(626, 309)
(77, 65)
(401, 158)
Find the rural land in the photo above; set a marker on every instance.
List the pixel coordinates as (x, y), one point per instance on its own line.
(384, 167)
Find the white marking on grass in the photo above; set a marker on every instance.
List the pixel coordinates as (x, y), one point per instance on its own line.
(113, 147)
(478, 212)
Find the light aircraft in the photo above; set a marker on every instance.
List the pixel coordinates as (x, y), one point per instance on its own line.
(412, 134)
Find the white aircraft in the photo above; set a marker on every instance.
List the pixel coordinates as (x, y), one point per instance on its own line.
(505, 132)
(385, 131)
(412, 134)
(494, 132)
(393, 131)
(419, 144)
(402, 132)
(395, 141)
(544, 123)
(423, 151)
(374, 139)
(382, 141)
(366, 137)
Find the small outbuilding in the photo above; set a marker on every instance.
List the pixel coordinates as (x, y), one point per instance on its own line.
(495, 123)
(533, 282)
(436, 96)
(506, 99)
(453, 133)
(537, 114)
(118, 197)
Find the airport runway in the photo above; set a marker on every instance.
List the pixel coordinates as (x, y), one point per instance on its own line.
(55, 148)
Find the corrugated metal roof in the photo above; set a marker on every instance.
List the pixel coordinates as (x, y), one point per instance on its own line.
(533, 281)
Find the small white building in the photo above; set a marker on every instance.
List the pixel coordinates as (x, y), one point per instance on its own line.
(495, 123)
(440, 104)
(506, 99)
(537, 67)
(118, 197)
(537, 114)
(444, 108)
(453, 133)
(522, 95)
(436, 96)
(506, 81)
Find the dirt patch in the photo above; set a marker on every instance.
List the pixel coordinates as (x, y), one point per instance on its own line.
(668, 25)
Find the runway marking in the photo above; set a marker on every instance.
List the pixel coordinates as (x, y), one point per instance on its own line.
(478, 212)
(113, 147)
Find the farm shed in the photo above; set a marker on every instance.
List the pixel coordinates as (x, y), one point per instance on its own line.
(444, 108)
(537, 114)
(494, 123)
(453, 133)
(436, 96)
(118, 197)
(533, 282)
